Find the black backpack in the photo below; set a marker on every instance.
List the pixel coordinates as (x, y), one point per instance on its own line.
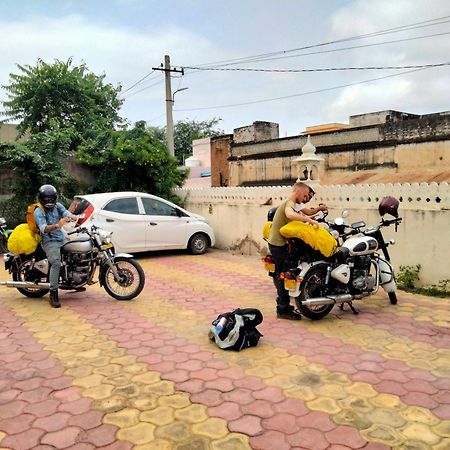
(236, 329)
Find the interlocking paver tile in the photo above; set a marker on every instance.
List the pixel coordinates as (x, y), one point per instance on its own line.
(123, 375)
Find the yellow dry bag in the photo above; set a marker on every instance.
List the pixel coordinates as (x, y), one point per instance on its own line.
(318, 238)
(22, 240)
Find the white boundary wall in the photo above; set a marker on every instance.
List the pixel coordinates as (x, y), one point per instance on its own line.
(237, 215)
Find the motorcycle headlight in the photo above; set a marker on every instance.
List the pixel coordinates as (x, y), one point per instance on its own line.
(105, 236)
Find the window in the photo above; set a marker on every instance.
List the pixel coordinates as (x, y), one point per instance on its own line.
(156, 208)
(123, 206)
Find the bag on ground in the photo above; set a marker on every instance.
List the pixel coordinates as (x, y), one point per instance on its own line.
(236, 329)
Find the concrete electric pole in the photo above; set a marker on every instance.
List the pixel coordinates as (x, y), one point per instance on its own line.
(169, 101)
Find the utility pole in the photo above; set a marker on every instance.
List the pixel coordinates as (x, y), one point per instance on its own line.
(169, 101)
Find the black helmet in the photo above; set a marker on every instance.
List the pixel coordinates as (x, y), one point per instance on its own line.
(47, 196)
(388, 205)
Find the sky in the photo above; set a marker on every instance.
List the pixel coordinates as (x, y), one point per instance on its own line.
(125, 39)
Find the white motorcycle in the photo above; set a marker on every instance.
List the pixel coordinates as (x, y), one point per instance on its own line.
(357, 270)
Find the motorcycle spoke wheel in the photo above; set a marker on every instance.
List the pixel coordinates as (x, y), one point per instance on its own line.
(313, 286)
(130, 282)
(23, 274)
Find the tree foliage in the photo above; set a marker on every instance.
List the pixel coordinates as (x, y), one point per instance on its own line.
(186, 131)
(59, 94)
(133, 159)
(59, 107)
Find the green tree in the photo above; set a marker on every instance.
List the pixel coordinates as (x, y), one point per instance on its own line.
(133, 159)
(70, 97)
(185, 131)
(59, 108)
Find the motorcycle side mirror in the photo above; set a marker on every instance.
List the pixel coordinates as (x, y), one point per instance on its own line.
(345, 213)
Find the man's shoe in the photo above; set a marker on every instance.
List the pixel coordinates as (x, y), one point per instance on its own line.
(54, 300)
(290, 315)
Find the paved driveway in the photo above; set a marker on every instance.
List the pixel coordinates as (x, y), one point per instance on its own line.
(143, 374)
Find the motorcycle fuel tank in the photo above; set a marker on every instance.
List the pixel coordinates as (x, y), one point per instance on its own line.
(78, 246)
(361, 245)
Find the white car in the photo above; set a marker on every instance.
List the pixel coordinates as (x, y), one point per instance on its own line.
(141, 222)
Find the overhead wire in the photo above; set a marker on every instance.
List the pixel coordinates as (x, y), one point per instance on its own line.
(302, 93)
(321, 69)
(137, 82)
(416, 25)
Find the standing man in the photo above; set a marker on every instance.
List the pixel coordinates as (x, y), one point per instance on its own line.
(278, 245)
(50, 219)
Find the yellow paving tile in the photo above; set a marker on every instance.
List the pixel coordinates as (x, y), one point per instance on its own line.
(193, 413)
(142, 433)
(162, 415)
(212, 428)
(124, 418)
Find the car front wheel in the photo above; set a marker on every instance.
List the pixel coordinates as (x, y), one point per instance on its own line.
(198, 244)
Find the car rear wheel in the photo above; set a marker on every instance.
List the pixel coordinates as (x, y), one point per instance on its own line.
(198, 244)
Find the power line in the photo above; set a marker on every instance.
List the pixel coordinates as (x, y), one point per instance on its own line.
(137, 82)
(408, 27)
(355, 46)
(325, 69)
(143, 89)
(302, 93)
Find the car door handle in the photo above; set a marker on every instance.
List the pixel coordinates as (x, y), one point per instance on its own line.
(153, 224)
(110, 220)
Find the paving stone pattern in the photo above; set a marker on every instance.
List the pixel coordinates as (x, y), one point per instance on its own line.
(102, 374)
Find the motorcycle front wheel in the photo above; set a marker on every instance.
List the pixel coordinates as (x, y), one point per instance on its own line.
(24, 273)
(313, 285)
(130, 282)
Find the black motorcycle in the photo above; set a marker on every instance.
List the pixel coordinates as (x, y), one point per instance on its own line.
(121, 276)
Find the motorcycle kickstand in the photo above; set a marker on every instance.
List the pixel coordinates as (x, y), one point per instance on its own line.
(354, 310)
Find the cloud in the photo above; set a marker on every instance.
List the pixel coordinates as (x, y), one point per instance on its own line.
(420, 92)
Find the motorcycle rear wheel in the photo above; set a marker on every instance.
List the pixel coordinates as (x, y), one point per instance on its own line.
(131, 283)
(313, 285)
(22, 275)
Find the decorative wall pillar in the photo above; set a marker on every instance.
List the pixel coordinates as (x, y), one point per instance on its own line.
(308, 164)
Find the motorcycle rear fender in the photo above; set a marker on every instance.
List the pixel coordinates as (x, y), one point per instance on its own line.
(386, 271)
(304, 267)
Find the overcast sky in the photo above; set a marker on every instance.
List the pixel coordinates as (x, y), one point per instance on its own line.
(124, 39)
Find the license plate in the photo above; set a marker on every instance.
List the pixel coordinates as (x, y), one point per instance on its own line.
(290, 283)
(270, 267)
(106, 246)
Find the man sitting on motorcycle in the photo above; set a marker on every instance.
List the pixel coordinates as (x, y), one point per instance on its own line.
(278, 245)
(50, 219)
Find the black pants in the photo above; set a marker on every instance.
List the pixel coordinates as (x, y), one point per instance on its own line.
(280, 256)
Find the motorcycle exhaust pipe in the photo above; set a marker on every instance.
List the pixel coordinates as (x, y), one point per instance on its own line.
(333, 299)
(25, 284)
